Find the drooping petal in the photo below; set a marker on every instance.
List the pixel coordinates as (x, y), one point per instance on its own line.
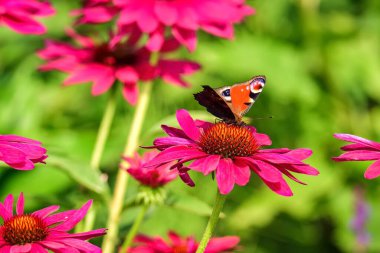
(358, 140)
(225, 176)
(186, 37)
(222, 244)
(373, 170)
(358, 155)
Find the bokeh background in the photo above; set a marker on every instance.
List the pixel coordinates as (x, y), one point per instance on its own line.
(322, 62)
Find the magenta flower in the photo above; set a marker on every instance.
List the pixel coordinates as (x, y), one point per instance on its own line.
(103, 64)
(177, 244)
(152, 177)
(21, 153)
(183, 17)
(361, 150)
(230, 151)
(19, 15)
(96, 11)
(41, 230)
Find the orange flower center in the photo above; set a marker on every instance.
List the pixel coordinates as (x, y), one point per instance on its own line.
(22, 229)
(229, 141)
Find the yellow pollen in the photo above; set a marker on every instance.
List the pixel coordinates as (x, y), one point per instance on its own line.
(22, 229)
(229, 141)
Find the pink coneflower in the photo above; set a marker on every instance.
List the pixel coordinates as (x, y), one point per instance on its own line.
(361, 150)
(230, 151)
(152, 177)
(182, 17)
(103, 64)
(19, 15)
(96, 11)
(177, 244)
(21, 153)
(41, 230)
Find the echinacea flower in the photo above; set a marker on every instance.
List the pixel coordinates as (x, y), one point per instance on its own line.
(361, 150)
(181, 17)
(105, 63)
(42, 230)
(177, 244)
(19, 15)
(232, 152)
(21, 153)
(152, 177)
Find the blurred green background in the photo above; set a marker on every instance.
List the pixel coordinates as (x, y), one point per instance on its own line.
(322, 62)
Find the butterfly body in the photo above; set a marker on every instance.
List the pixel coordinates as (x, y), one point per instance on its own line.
(230, 103)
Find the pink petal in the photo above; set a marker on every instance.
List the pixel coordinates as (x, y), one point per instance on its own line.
(176, 153)
(36, 248)
(358, 155)
(221, 30)
(75, 218)
(83, 235)
(166, 13)
(357, 139)
(242, 173)
(43, 213)
(276, 158)
(21, 248)
(206, 164)
(280, 187)
(8, 204)
(264, 170)
(186, 37)
(300, 153)
(174, 132)
(127, 74)
(373, 171)
(23, 24)
(156, 40)
(222, 244)
(131, 92)
(166, 142)
(263, 139)
(20, 204)
(187, 124)
(81, 245)
(149, 23)
(225, 176)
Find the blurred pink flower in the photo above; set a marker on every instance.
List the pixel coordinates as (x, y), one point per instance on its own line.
(41, 230)
(21, 153)
(152, 177)
(361, 150)
(19, 15)
(184, 17)
(96, 11)
(103, 64)
(232, 152)
(177, 244)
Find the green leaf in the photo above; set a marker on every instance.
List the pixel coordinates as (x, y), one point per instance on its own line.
(80, 172)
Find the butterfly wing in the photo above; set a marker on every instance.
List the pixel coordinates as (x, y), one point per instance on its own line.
(243, 95)
(214, 103)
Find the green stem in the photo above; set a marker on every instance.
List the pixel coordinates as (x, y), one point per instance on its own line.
(101, 138)
(218, 205)
(122, 177)
(133, 231)
(103, 131)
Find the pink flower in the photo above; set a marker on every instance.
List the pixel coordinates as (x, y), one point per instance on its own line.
(19, 15)
(183, 17)
(181, 245)
(361, 150)
(230, 151)
(152, 177)
(104, 63)
(96, 11)
(41, 230)
(21, 153)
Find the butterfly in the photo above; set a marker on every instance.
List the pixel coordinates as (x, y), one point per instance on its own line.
(230, 103)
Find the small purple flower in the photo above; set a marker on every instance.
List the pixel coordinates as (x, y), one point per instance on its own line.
(359, 222)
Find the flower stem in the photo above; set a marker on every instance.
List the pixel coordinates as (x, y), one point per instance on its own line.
(122, 177)
(133, 231)
(218, 205)
(103, 131)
